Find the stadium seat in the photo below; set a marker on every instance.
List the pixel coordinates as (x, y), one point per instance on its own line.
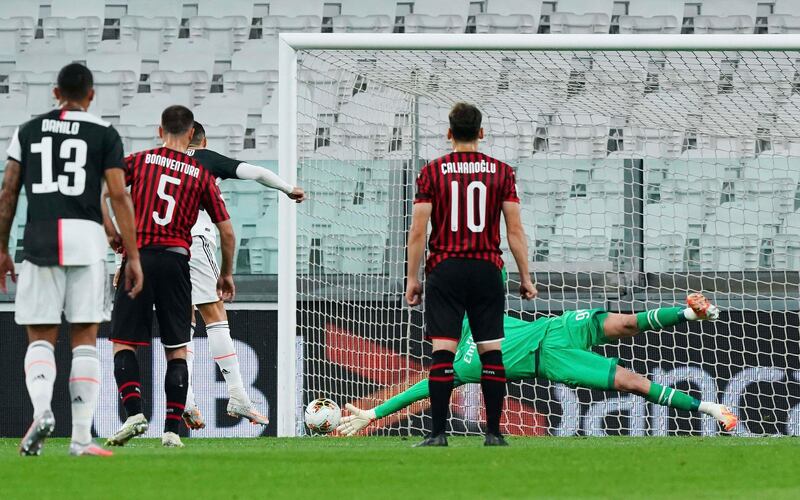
(35, 74)
(13, 113)
(544, 197)
(727, 253)
(723, 24)
(354, 253)
(584, 217)
(786, 248)
(515, 23)
(368, 8)
(567, 22)
(20, 8)
(77, 25)
(15, 35)
(744, 218)
(423, 23)
(665, 253)
(655, 24)
(185, 71)
(116, 75)
(701, 195)
(263, 252)
(273, 25)
(783, 23)
(138, 122)
(217, 9)
(365, 24)
(226, 34)
(152, 24)
(224, 117)
(589, 253)
(515, 7)
(766, 167)
(774, 195)
(671, 218)
(253, 72)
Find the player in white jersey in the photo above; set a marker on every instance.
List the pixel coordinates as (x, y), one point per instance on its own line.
(205, 273)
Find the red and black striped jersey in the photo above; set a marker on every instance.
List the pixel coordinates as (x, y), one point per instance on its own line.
(169, 188)
(467, 191)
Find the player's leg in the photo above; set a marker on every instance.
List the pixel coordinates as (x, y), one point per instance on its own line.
(628, 381)
(173, 301)
(223, 351)
(131, 327)
(617, 326)
(192, 416)
(38, 306)
(485, 308)
(444, 313)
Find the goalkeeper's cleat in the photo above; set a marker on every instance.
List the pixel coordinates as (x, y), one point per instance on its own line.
(171, 440)
(357, 420)
(89, 449)
(495, 440)
(701, 306)
(136, 425)
(193, 418)
(32, 441)
(727, 419)
(438, 440)
(245, 409)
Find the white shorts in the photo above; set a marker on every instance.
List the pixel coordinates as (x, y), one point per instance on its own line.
(82, 293)
(204, 271)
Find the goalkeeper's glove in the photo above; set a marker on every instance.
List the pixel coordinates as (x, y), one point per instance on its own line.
(357, 420)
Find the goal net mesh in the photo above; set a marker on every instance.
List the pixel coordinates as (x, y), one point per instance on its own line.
(644, 176)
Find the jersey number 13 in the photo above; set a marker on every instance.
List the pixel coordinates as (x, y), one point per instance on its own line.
(73, 153)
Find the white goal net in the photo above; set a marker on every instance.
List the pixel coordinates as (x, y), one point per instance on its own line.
(644, 176)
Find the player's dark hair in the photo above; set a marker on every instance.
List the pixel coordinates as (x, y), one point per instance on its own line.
(199, 134)
(75, 81)
(465, 122)
(177, 119)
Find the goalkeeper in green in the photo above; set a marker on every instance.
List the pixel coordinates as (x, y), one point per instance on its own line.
(559, 349)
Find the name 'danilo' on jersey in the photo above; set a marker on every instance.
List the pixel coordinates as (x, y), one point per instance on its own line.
(59, 127)
(179, 166)
(468, 167)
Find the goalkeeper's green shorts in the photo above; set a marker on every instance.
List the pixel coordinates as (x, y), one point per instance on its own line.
(565, 354)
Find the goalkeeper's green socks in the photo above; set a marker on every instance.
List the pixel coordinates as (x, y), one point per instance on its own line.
(667, 396)
(664, 317)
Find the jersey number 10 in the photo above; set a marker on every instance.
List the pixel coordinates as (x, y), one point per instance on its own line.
(475, 227)
(69, 147)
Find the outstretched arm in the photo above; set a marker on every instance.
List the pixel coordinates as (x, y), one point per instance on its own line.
(267, 178)
(358, 418)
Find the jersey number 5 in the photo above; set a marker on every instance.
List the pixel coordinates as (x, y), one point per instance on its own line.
(162, 193)
(69, 147)
(475, 227)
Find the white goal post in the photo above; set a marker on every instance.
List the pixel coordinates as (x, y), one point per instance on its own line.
(639, 268)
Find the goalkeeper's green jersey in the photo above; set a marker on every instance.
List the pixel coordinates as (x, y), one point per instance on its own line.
(522, 339)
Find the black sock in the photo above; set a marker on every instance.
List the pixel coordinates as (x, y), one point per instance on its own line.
(126, 372)
(176, 382)
(493, 385)
(440, 385)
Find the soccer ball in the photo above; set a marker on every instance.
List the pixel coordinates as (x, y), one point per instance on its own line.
(322, 416)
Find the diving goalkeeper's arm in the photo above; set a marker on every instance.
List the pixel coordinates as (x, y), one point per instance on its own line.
(358, 418)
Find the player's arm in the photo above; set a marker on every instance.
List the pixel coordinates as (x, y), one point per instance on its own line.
(211, 200)
(420, 216)
(358, 418)
(267, 178)
(9, 196)
(518, 243)
(123, 212)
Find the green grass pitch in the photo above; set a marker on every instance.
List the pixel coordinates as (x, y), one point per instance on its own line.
(383, 468)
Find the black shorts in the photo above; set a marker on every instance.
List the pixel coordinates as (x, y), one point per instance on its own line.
(471, 286)
(167, 286)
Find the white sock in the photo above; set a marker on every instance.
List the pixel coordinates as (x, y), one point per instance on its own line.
(190, 364)
(713, 409)
(84, 386)
(40, 375)
(221, 346)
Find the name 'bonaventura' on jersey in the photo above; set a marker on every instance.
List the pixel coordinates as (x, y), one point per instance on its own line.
(64, 155)
(168, 189)
(467, 191)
